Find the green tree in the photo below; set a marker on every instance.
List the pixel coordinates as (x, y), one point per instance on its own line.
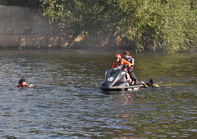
(150, 24)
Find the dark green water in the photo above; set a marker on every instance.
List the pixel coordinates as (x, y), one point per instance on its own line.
(66, 101)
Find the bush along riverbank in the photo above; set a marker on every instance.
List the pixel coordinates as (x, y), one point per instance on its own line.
(142, 25)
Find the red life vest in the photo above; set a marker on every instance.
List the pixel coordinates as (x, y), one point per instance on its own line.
(21, 85)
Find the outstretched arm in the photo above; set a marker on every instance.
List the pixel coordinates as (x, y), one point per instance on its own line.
(124, 62)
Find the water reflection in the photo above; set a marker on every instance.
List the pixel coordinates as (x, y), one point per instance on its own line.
(124, 98)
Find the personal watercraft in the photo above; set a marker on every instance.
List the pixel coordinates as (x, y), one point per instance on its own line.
(115, 80)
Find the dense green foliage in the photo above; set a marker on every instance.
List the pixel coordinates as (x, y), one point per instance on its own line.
(168, 25)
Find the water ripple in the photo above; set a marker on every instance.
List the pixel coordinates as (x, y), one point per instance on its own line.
(66, 101)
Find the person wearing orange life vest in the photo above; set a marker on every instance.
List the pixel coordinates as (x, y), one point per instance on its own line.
(119, 61)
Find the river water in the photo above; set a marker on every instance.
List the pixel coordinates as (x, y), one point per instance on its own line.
(66, 102)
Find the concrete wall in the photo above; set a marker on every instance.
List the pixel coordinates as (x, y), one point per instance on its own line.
(26, 28)
(21, 27)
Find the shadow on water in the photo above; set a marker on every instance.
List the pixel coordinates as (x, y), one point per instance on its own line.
(66, 101)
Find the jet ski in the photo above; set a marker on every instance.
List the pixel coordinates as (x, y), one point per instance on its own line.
(115, 80)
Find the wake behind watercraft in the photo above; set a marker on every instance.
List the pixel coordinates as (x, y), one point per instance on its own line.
(115, 80)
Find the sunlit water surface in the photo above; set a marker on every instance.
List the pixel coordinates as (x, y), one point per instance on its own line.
(66, 101)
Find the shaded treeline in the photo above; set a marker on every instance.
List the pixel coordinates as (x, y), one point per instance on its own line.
(165, 25)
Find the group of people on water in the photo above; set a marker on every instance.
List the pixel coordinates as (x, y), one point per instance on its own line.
(127, 61)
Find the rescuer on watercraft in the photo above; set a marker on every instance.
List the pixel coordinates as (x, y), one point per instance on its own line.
(130, 59)
(119, 61)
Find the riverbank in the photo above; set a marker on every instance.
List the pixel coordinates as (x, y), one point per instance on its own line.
(27, 28)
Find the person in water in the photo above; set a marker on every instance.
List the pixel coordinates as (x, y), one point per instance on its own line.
(23, 83)
(119, 61)
(130, 59)
(150, 83)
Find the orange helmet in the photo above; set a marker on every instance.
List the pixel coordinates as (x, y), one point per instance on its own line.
(117, 56)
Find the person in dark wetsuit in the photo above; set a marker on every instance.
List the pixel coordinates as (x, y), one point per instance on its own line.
(23, 83)
(130, 59)
(150, 83)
